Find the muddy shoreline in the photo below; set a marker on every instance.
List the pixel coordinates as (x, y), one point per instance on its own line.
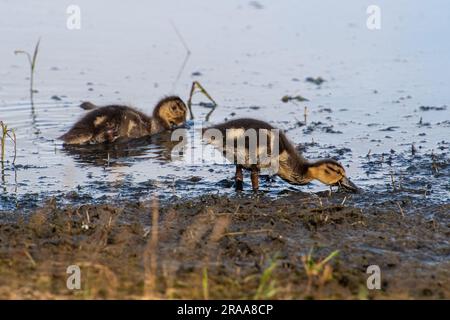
(242, 246)
(150, 243)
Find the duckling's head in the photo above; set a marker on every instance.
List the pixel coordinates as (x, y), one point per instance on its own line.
(331, 172)
(171, 112)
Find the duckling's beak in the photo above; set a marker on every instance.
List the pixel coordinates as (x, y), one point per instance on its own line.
(180, 126)
(348, 185)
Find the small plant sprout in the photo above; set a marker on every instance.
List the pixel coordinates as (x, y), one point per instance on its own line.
(197, 85)
(318, 271)
(267, 288)
(205, 285)
(305, 113)
(151, 250)
(32, 62)
(434, 164)
(413, 149)
(7, 133)
(393, 182)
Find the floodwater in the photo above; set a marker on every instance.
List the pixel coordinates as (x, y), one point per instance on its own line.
(384, 91)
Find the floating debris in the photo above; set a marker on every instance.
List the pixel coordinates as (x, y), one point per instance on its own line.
(342, 151)
(256, 5)
(318, 81)
(87, 105)
(391, 128)
(430, 108)
(298, 98)
(321, 126)
(328, 110)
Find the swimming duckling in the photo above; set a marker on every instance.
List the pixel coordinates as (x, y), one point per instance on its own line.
(107, 124)
(291, 166)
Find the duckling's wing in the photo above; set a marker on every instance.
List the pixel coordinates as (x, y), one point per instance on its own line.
(133, 124)
(106, 135)
(92, 127)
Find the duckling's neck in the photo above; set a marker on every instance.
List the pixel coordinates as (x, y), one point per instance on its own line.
(155, 125)
(293, 167)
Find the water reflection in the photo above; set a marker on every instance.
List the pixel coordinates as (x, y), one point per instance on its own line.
(123, 153)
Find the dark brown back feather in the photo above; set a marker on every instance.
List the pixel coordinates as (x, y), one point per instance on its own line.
(248, 123)
(113, 116)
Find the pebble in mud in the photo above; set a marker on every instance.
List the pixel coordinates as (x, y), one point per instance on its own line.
(225, 183)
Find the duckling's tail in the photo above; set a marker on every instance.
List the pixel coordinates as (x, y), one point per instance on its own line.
(75, 136)
(88, 105)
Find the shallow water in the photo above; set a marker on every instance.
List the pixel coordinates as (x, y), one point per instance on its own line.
(376, 97)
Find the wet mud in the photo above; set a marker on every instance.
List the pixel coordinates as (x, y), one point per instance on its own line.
(244, 246)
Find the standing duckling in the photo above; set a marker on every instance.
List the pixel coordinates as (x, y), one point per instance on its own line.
(107, 124)
(291, 166)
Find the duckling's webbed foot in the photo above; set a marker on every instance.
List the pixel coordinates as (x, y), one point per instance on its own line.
(239, 178)
(255, 178)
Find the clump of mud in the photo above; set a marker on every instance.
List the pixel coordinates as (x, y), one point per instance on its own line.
(228, 247)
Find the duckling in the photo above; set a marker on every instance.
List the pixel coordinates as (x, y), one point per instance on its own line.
(108, 123)
(292, 166)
